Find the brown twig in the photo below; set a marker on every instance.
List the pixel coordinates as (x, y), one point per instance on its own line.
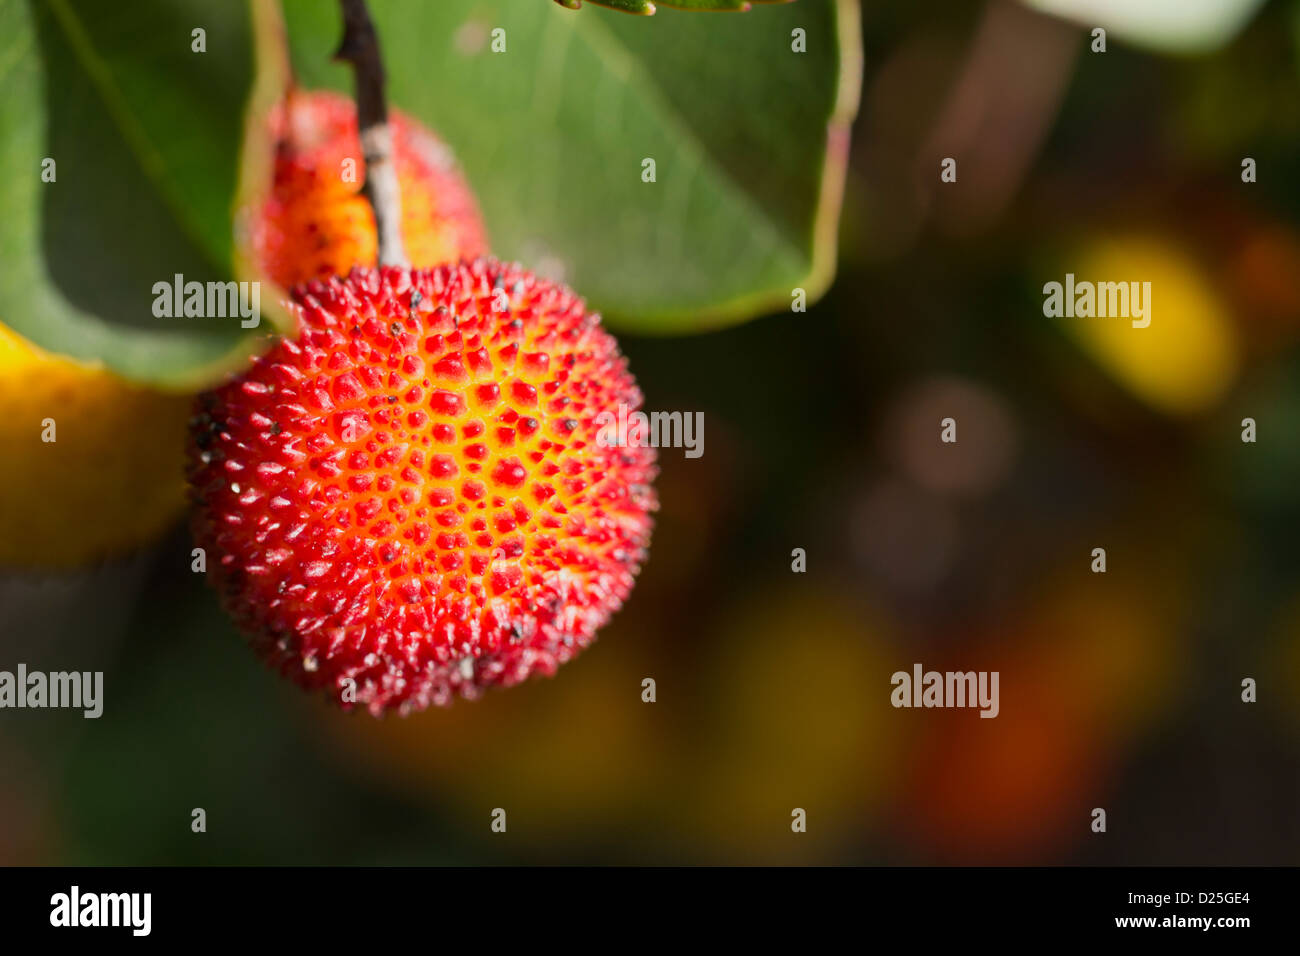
(360, 47)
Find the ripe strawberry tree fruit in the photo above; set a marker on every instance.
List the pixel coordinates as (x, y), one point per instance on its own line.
(409, 500)
(315, 223)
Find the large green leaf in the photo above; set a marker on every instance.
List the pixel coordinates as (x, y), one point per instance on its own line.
(146, 136)
(748, 136)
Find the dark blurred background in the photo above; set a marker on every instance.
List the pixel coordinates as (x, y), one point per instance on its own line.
(1120, 691)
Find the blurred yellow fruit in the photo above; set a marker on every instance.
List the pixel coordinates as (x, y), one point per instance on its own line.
(1188, 357)
(111, 479)
(1109, 645)
(799, 718)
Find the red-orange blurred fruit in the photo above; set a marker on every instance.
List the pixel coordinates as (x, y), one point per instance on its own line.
(317, 224)
(1016, 788)
(1084, 671)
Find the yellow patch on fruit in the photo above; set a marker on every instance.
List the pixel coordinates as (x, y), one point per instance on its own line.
(110, 480)
(1188, 357)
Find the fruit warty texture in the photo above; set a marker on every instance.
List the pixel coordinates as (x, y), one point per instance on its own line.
(316, 223)
(410, 494)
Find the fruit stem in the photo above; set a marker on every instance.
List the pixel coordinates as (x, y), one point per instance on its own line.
(360, 47)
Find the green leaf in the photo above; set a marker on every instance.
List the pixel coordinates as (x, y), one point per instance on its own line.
(145, 136)
(749, 140)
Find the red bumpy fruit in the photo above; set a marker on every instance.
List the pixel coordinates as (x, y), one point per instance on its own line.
(410, 494)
